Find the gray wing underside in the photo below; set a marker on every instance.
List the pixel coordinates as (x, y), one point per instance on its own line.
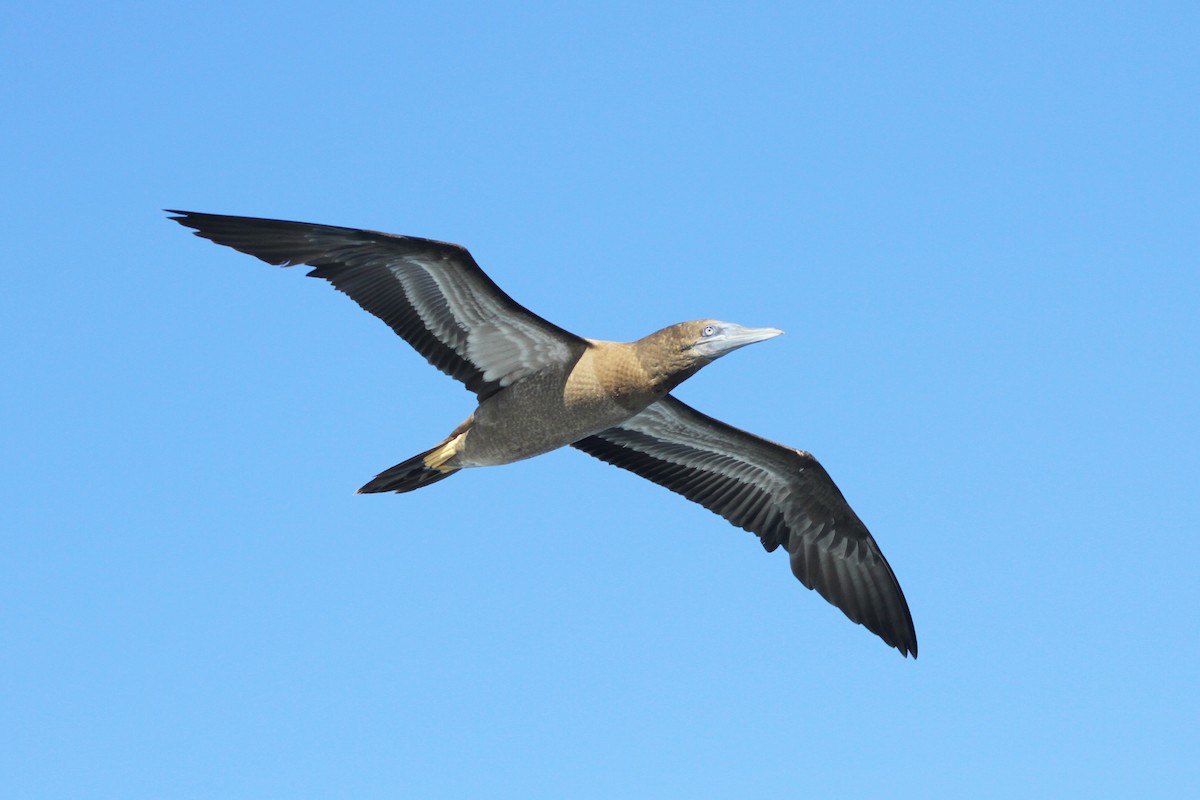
(432, 294)
(783, 495)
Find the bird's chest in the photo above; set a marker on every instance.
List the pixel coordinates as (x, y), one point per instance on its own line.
(535, 416)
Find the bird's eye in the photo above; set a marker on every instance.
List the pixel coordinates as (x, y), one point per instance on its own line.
(709, 330)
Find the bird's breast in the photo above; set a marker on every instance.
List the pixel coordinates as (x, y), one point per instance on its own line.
(549, 410)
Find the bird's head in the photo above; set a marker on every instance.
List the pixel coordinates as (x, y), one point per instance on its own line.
(675, 353)
(709, 339)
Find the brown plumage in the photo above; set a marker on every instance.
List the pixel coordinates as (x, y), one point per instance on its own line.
(541, 387)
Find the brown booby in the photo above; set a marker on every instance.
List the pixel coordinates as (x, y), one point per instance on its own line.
(541, 387)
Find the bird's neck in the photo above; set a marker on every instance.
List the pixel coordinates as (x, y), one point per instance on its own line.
(667, 359)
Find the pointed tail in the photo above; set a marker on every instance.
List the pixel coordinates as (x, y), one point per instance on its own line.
(408, 475)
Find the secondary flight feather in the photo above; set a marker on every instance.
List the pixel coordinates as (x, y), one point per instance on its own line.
(541, 388)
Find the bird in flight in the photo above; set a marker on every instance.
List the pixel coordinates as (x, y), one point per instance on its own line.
(541, 388)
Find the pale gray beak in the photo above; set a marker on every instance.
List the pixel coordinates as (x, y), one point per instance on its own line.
(729, 336)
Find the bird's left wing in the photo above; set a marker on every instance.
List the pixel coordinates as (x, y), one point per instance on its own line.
(431, 293)
(783, 495)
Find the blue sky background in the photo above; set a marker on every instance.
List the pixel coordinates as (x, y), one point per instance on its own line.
(978, 225)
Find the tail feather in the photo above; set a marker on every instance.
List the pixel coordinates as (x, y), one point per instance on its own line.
(408, 475)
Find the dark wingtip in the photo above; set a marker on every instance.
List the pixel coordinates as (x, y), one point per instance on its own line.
(907, 643)
(184, 218)
(904, 637)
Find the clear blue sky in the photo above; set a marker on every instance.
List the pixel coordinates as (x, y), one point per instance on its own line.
(978, 226)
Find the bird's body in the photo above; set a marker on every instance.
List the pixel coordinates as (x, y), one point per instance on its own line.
(607, 384)
(558, 406)
(541, 388)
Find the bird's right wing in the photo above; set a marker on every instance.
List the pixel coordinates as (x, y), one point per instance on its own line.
(781, 494)
(431, 293)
